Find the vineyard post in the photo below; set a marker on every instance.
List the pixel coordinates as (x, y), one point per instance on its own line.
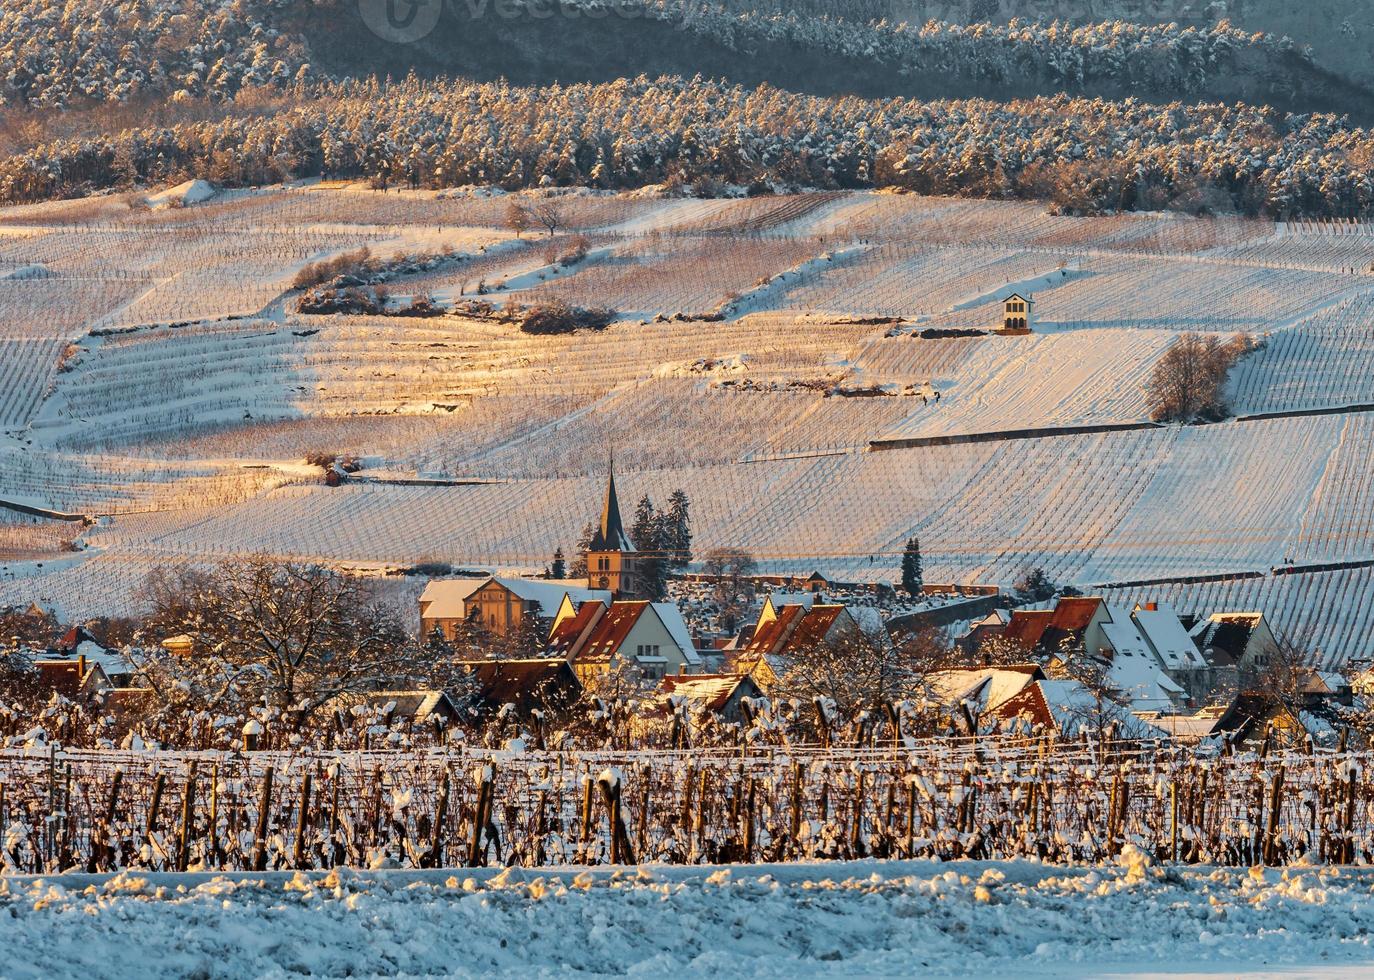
(212, 845)
(337, 778)
(699, 824)
(794, 824)
(584, 837)
(687, 805)
(188, 805)
(748, 824)
(1173, 821)
(1271, 837)
(856, 832)
(481, 817)
(302, 823)
(151, 826)
(1348, 857)
(436, 847)
(911, 816)
(260, 830)
(115, 781)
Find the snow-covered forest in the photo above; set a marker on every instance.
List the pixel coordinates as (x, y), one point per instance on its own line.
(1084, 155)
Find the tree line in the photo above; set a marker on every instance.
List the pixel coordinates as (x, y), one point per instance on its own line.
(696, 136)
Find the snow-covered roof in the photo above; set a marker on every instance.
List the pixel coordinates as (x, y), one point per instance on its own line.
(1170, 641)
(548, 594)
(676, 626)
(988, 687)
(447, 597)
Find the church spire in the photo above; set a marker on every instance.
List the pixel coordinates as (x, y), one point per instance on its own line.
(611, 536)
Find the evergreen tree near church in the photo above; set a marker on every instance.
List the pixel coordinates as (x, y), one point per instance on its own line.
(584, 541)
(913, 577)
(559, 569)
(677, 530)
(648, 534)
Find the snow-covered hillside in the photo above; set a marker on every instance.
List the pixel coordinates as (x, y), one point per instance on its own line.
(852, 398)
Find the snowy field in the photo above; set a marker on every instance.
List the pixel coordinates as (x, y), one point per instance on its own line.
(1006, 919)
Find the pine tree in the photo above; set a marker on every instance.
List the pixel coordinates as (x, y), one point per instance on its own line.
(647, 535)
(913, 576)
(678, 529)
(559, 569)
(584, 541)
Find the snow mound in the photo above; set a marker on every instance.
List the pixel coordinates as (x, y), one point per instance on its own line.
(725, 364)
(185, 193)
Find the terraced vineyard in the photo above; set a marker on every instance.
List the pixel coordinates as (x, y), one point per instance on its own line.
(850, 395)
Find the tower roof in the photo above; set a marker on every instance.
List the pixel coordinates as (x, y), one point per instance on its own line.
(611, 536)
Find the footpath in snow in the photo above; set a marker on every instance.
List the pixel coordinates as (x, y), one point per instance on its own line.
(859, 919)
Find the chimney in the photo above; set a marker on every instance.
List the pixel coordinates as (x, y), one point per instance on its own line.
(81, 667)
(1152, 607)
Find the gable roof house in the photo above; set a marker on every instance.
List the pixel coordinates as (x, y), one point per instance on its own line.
(1238, 643)
(982, 689)
(499, 604)
(796, 627)
(718, 694)
(541, 684)
(75, 680)
(596, 637)
(1143, 652)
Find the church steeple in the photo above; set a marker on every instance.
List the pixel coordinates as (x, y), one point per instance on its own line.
(611, 536)
(612, 563)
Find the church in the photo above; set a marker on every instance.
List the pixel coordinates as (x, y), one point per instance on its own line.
(613, 564)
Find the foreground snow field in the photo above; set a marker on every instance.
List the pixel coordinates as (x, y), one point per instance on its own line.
(863, 918)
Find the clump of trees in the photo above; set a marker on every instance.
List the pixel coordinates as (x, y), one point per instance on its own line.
(555, 316)
(357, 263)
(1188, 384)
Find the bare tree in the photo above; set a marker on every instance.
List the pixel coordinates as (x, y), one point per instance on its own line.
(287, 636)
(1189, 381)
(861, 670)
(550, 215)
(733, 590)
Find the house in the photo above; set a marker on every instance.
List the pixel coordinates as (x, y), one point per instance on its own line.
(545, 684)
(1067, 708)
(1018, 314)
(75, 680)
(596, 637)
(1174, 650)
(415, 707)
(719, 694)
(498, 604)
(1252, 717)
(1075, 623)
(793, 628)
(613, 564)
(1237, 645)
(982, 690)
(1142, 653)
(77, 643)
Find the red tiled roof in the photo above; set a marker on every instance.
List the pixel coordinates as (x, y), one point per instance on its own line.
(608, 634)
(815, 626)
(770, 636)
(563, 639)
(1029, 703)
(1075, 613)
(1027, 626)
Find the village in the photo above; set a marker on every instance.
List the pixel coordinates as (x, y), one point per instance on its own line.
(723, 655)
